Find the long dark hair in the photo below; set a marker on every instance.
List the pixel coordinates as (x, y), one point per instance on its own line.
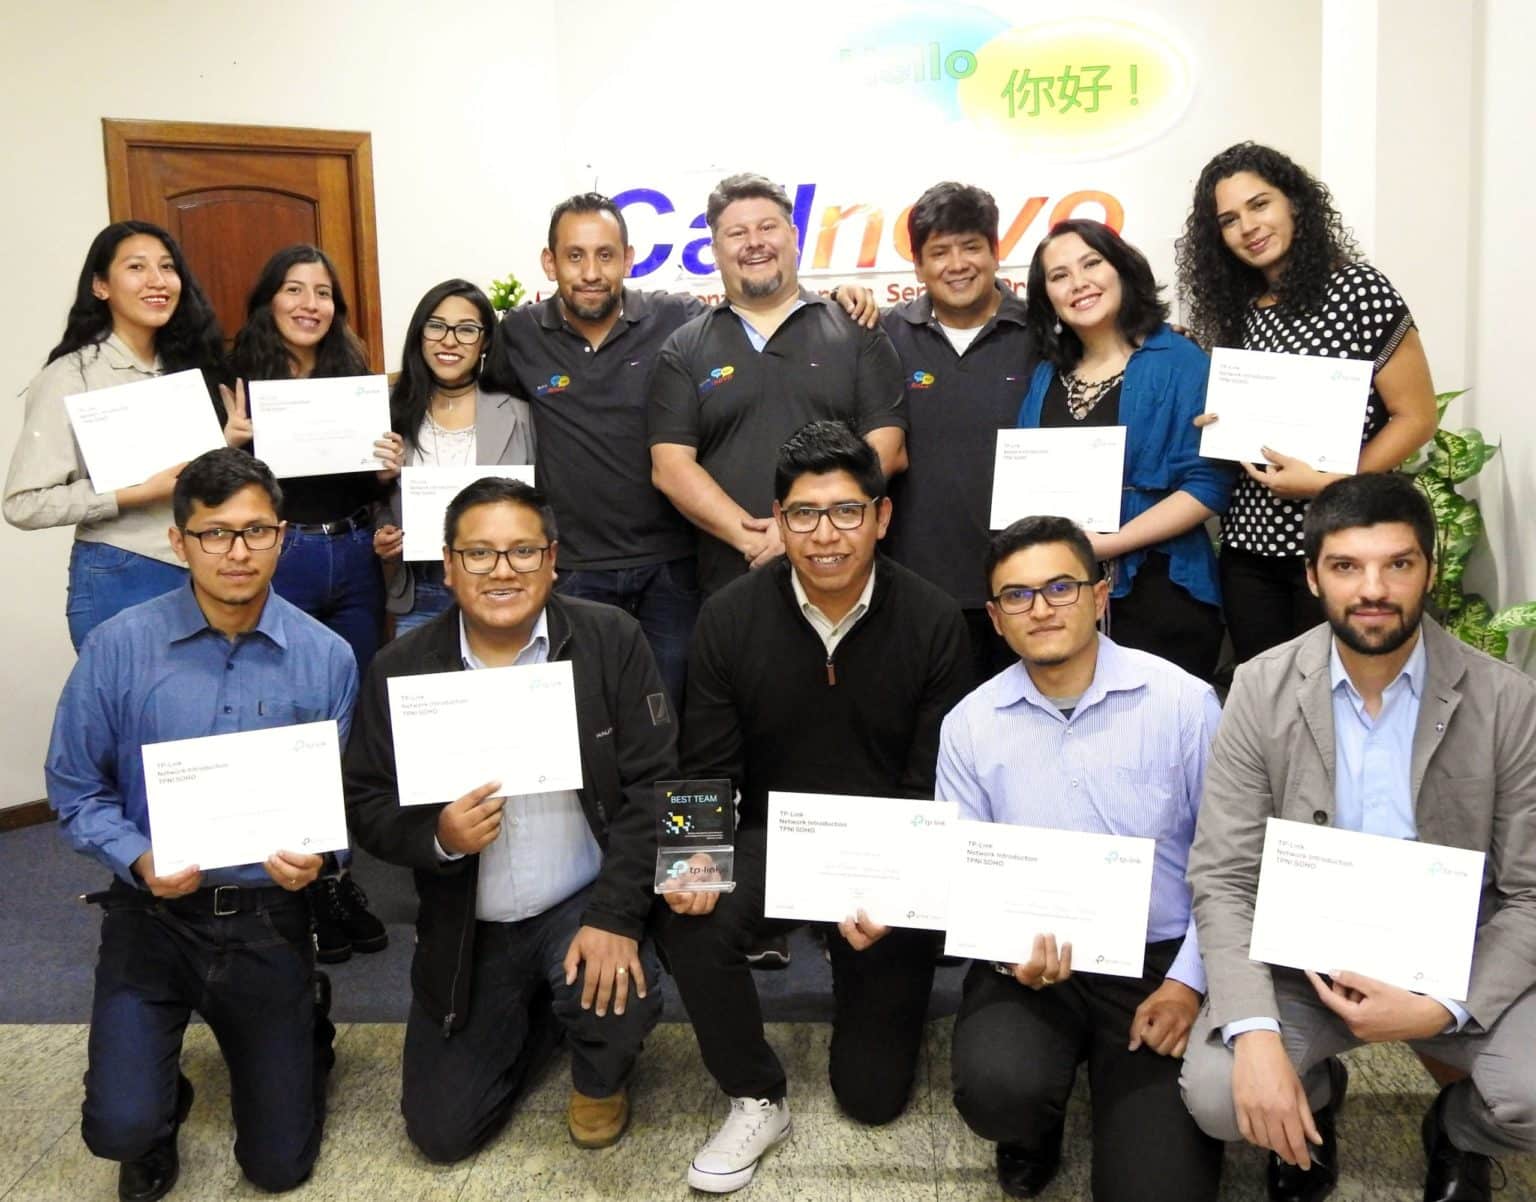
(260, 352)
(1142, 310)
(412, 393)
(191, 338)
(1217, 286)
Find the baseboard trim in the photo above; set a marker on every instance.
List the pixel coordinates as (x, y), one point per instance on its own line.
(33, 813)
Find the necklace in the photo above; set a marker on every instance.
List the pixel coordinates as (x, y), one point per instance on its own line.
(460, 444)
(452, 396)
(1083, 396)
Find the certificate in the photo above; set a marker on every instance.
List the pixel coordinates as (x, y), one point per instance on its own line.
(1011, 883)
(1398, 910)
(319, 427)
(1307, 406)
(129, 432)
(1071, 473)
(455, 731)
(237, 798)
(424, 496)
(830, 856)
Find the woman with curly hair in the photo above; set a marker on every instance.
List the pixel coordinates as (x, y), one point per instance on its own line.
(1266, 264)
(137, 314)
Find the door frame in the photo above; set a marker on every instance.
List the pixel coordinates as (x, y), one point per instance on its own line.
(120, 136)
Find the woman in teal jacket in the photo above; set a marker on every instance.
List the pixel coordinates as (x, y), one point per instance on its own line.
(1109, 358)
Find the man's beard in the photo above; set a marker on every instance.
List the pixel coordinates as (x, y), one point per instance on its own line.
(592, 311)
(758, 289)
(1382, 640)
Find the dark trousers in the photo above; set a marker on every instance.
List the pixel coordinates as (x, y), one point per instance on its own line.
(1016, 1052)
(880, 998)
(1266, 599)
(249, 976)
(460, 1090)
(336, 579)
(989, 653)
(1159, 617)
(662, 597)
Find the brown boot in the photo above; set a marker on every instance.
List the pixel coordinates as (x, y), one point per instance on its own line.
(597, 1122)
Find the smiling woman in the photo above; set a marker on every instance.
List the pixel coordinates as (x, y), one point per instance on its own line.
(138, 313)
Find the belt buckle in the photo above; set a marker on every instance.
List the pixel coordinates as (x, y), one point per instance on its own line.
(232, 892)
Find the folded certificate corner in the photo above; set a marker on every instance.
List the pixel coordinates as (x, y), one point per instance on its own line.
(695, 869)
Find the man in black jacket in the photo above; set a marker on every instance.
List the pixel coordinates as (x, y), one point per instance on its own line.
(826, 672)
(522, 897)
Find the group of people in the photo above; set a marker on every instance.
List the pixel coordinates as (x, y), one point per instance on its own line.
(727, 476)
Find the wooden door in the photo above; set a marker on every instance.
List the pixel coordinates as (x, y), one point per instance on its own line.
(234, 194)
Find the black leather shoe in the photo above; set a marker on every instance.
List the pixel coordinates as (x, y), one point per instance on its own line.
(154, 1174)
(343, 922)
(1025, 1172)
(1454, 1175)
(1288, 1183)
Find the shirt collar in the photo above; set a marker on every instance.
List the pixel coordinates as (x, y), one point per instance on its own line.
(805, 603)
(540, 634)
(1413, 670)
(1114, 672)
(187, 619)
(919, 312)
(120, 358)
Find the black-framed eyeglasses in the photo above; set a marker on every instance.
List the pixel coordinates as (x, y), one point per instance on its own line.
(1018, 598)
(466, 333)
(845, 515)
(218, 541)
(481, 561)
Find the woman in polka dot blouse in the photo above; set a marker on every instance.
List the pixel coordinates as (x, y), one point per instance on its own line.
(1266, 264)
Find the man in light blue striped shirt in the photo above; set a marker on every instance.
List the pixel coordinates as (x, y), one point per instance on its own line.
(1082, 735)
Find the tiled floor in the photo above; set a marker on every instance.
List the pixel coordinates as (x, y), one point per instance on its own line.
(927, 1154)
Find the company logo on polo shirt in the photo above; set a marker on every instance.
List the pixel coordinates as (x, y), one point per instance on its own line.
(717, 377)
(920, 379)
(557, 383)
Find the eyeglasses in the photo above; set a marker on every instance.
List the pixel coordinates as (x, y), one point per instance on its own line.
(481, 561)
(1017, 599)
(466, 333)
(845, 515)
(218, 541)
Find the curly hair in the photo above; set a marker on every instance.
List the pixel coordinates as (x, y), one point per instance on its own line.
(1217, 286)
(260, 352)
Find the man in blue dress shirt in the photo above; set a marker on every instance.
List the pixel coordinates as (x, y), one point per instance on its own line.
(223, 654)
(1381, 722)
(1082, 735)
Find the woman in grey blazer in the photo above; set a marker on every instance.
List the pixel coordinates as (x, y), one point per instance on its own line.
(439, 409)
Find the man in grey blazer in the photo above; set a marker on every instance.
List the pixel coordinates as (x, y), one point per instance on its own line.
(1379, 722)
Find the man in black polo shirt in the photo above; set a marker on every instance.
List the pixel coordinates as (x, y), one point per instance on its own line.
(965, 361)
(829, 673)
(734, 383)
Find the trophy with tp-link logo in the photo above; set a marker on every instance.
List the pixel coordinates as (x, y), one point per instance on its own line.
(695, 836)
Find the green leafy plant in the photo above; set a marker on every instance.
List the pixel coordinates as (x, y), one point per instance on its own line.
(505, 294)
(1451, 459)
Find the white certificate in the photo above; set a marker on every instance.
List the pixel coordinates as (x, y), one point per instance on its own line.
(1398, 910)
(1307, 406)
(319, 427)
(831, 855)
(1011, 883)
(455, 731)
(424, 496)
(236, 799)
(129, 432)
(1071, 473)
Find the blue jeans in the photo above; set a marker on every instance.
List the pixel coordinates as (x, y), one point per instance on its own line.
(105, 580)
(662, 597)
(249, 976)
(431, 598)
(336, 579)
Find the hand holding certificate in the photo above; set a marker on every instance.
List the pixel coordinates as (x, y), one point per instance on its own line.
(424, 496)
(1397, 910)
(454, 731)
(130, 432)
(1309, 407)
(237, 798)
(1013, 883)
(320, 427)
(830, 856)
(1071, 473)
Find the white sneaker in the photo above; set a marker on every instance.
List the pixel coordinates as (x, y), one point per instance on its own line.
(729, 1159)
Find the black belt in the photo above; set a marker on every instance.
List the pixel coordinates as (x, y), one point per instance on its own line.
(221, 901)
(359, 519)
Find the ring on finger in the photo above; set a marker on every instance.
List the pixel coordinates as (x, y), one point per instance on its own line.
(1047, 980)
(623, 972)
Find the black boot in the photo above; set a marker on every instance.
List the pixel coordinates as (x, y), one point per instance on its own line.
(343, 924)
(154, 1174)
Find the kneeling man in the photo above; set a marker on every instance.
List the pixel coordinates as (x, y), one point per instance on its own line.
(1083, 735)
(532, 907)
(1381, 722)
